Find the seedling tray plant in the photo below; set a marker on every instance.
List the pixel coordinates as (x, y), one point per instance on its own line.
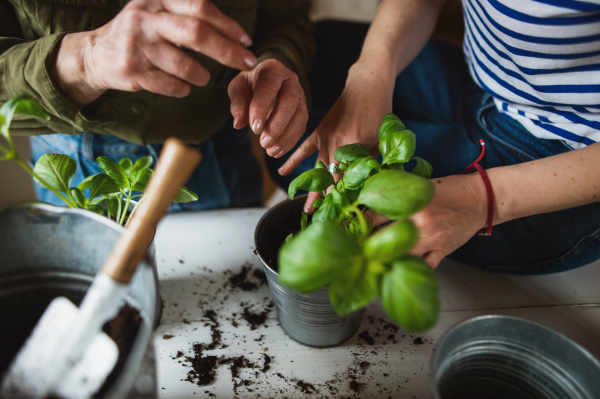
(116, 187)
(339, 249)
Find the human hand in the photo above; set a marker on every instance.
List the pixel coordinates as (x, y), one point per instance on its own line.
(457, 211)
(140, 49)
(354, 118)
(271, 99)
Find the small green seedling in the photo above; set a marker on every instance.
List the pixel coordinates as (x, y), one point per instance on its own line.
(117, 185)
(338, 249)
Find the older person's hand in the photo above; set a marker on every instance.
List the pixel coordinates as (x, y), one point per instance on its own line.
(271, 99)
(141, 49)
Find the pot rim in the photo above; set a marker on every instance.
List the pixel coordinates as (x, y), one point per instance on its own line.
(264, 216)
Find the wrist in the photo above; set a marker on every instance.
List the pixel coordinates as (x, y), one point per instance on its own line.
(477, 198)
(381, 73)
(73, 72)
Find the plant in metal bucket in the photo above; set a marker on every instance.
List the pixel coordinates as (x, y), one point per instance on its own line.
(117, 185)
(339, 249)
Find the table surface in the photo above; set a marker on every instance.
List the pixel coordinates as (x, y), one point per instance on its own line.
(197, 255)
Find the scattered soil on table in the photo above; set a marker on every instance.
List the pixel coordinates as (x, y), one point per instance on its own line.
(418, 341)
(203, 367)
(255, 319)
(240, 280)
(365, 336)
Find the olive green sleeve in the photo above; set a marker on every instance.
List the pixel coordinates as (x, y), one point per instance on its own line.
(25, 69)
(285, 32)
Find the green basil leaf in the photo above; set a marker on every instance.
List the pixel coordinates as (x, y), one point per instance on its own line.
(350, 153)
(359, 171)
(143, 163)
(391, 123)
(354, 228)
(114, 170)
(391, 242)
(423, 168)
(312, 180)
(393, 166)
(304, 221)
(328, 211)
(126, 164)
(343, 166)
(409, 293)
(320, 165)
(139, 179)
(20, 105)
(103, 185)
(56, 171)
(354, 289)
(339, 199)
(185, 195)
(113, 206)
(315, 257)
(396, 195)
(398, 147)
(289, 238)
(352, 195)
(95, 208)
(80, 199)
(318, 202)
(85, 183)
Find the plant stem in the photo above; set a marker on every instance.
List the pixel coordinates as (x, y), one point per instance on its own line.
(119, 208)
(28, 169)
(133, 211)
(128, 195)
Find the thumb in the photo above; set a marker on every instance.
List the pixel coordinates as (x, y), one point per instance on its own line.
(241, 96)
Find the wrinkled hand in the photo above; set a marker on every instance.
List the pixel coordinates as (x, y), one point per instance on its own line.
(140, 49)
(354, 118)
(456, 213)
(271, 99)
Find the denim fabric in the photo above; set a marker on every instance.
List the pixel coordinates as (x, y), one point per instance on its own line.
(228, 176)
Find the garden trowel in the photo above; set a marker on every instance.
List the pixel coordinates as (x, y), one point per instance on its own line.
(67, 354)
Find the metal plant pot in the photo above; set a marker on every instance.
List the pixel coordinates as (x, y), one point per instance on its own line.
(500, 357)
(308, 319)
(49, 251)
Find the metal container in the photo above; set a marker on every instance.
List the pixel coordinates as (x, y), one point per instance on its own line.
(308, 319)
(48, 251)
(500, 357)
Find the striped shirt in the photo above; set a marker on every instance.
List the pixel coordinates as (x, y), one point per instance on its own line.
(540, 60)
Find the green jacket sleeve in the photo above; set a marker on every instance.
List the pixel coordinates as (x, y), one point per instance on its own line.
(284, 31)
(25, 69)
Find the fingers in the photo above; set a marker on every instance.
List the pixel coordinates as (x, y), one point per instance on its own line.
(175, 62)
(241, 95)
(267, 86)
(201, 37)
(206, 11)
(305, 150)
(288, 100)
(375, 218)
(293, 131)
(312, 197)
(159, 82)
(434, 258)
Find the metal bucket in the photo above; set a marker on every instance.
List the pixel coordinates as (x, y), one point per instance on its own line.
(500, 357)
(308, 319)
(48, 251)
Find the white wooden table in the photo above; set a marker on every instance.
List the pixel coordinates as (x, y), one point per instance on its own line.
(197, 253)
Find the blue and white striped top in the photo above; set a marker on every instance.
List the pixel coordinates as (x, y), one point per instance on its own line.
(540, 60)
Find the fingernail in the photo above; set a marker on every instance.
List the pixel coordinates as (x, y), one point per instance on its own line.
(307, 208)
(274, 151)
(246, 41)
(280, 170)
(250, 61)
(266, 142)
(235, 120)
(257, 127)
(280, 153)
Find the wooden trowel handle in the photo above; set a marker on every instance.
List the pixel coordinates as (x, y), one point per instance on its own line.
(176, 163)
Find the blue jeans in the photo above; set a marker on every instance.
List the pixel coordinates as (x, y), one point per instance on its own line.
(228, 176)
(436, 98)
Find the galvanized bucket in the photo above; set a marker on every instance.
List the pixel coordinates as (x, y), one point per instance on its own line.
(500, 357)
(308, 319)
(47, 251)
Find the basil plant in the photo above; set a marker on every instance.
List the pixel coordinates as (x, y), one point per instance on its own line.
(339, 249)
(117, 185)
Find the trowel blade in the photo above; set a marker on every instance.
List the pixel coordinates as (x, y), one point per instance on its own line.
(34, 373)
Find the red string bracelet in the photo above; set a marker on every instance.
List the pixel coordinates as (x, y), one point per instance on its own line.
(488, 190)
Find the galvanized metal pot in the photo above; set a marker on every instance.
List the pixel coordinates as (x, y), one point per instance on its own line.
(500, 357)
(49, 251)
(308, 319)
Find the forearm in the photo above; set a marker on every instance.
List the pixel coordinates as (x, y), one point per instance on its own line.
(397, 35)
(546, 185)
